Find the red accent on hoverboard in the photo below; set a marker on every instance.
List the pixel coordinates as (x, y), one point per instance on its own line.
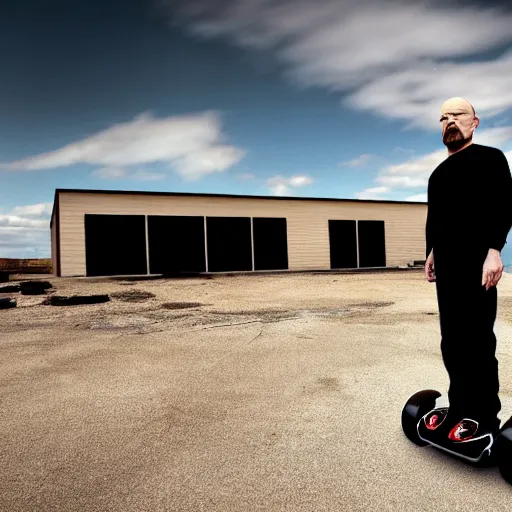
(434, 419)
(464, 430)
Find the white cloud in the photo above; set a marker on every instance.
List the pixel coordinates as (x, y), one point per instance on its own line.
(25, 231)
(415, 172)
(193, 145)
(373, 193)
(360, 161)
(115, 173)
(393, 58)
(281, 186)
(417, 197)
(299, 181)
(34, 210)
(207, 160)
(15, 221)
(280, 189)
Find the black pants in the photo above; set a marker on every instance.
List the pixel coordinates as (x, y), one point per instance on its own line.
(467, 314)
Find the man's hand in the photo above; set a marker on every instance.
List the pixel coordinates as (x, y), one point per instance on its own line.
(492, 269)
(429, 268)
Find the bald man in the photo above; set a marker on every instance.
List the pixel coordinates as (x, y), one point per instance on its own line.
(469, 217)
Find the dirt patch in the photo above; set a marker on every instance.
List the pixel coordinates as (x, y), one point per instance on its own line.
(76, 300)
(329, 383)
(133, 295)
(374, 304)
(250, 312)
(181, 305)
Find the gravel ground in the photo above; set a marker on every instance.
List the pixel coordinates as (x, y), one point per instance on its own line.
(231, 394)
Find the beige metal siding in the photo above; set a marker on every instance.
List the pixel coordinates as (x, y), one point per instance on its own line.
(307, 223)
(54, 246)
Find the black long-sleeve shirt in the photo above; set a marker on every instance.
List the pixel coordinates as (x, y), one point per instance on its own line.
(469, 202)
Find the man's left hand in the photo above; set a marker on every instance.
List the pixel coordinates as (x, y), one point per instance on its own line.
(492, 269)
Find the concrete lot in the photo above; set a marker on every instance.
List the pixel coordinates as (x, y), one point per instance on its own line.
(274, 393)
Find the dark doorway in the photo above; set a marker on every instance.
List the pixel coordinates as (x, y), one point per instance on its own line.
(270, 244)
(115, 245)
(176, 244)
(372, 243)
(229, 244)
(343, 243)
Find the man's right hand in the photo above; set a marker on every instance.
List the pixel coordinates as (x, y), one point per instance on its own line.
(429, 268)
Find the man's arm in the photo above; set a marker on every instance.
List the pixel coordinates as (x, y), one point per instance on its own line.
(428, 226)
(499, 218)
(500, 204)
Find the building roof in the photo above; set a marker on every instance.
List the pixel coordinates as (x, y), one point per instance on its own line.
(235, 196)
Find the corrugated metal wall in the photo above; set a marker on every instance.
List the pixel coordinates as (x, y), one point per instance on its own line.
(53, 233)
(307, 223)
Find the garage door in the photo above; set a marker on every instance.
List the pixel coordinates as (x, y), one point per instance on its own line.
(372, 243)
(343, 243)
(229, 244)
(270, 244)
(115, 245)
(176, 244)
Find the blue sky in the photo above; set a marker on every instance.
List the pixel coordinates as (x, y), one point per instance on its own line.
(284, 97)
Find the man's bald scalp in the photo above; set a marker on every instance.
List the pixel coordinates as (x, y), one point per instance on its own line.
(458, 101)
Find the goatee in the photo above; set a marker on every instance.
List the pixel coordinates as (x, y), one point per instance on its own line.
(453, 139)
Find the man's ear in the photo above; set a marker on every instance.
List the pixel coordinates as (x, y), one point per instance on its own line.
(476, 122)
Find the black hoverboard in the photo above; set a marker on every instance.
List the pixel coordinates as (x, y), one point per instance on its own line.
(481, 451)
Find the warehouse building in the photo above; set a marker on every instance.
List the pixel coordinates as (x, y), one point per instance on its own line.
(109, 233)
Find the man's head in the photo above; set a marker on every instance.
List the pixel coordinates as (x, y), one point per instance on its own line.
(458, 121)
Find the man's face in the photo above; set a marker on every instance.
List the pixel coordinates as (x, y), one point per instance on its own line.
(458, 123)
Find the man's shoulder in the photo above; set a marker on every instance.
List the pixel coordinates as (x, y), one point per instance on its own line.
(487, 150)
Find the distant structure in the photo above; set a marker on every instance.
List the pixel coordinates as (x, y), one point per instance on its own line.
(112, 233)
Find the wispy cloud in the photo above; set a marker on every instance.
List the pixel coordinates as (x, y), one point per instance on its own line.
(34, 210)
(359, 161)
(246, 176)
(192, 145)
(395, 58)
(417, 198)
(281, 186)
(373, 193)
(415, 172)
(25, 231)
(117, 173)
